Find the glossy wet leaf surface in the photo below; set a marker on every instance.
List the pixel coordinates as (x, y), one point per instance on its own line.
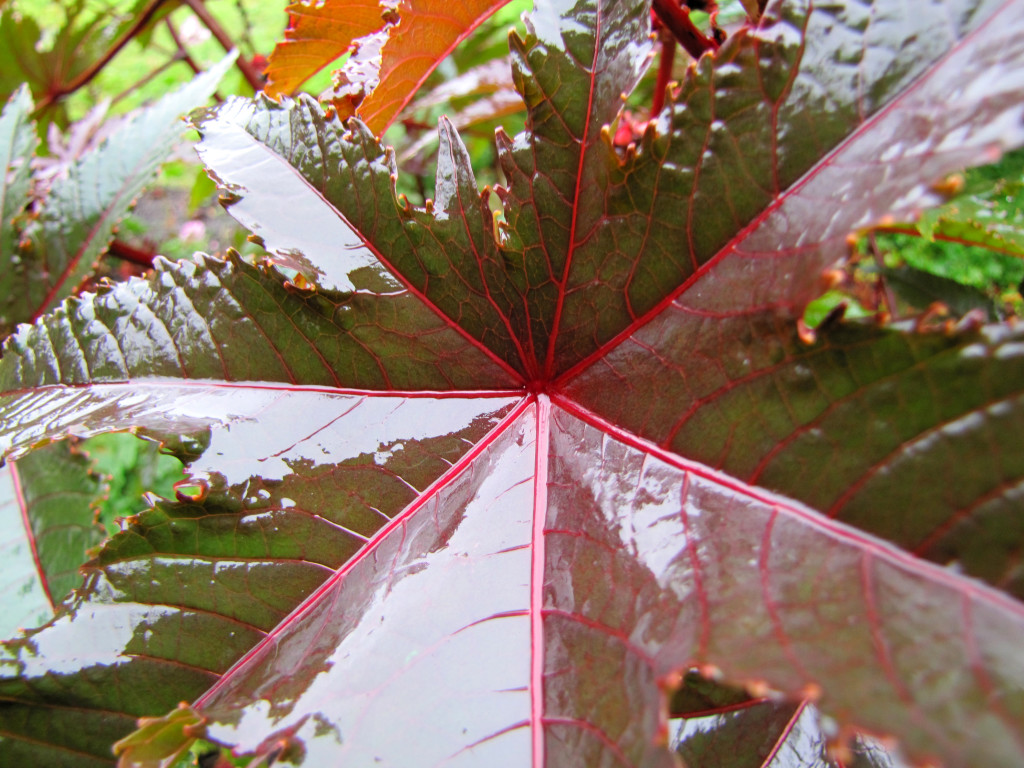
(477, 491)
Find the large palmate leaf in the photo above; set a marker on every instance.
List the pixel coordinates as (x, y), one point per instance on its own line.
(468, 490)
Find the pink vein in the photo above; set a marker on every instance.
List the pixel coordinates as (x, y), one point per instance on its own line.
(397, 523)
(964, 513)
(881, 465)
(698, 579)
(479, 259)
(824, 164)
(981, 676)
(553, 338)
(769, 601)
(875, 627)
(540, 506)
(785, 734)
(19, 495)
(836, 530)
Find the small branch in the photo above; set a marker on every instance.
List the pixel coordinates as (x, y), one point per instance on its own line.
(183, 53)
(677, 20)
(170, 62)
(668, 56)
(252, 76)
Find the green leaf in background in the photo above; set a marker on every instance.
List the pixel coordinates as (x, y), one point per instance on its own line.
(77, 219)
(988, 211)
(49, 504)
(17, 144)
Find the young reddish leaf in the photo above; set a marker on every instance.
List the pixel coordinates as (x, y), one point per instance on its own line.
(394, 47)
(633, 397)
(317, 35)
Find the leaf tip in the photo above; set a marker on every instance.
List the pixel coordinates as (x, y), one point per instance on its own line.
(192, 490)
(806, 334)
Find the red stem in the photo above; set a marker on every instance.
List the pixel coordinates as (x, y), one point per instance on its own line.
(914, 232)
(87, 75)
(668, 56)
(130, 253)
(148, 78)
(677, 20)
(182, 51)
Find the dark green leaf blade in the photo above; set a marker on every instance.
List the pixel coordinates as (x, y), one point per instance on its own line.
(354, 233)
(865, 424)
(26, 604)
(190, 585)
(229, 321)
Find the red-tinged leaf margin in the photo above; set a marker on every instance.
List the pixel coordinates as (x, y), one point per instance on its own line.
(19, 494)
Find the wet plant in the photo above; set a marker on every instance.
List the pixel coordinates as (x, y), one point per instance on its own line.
(556, 472)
